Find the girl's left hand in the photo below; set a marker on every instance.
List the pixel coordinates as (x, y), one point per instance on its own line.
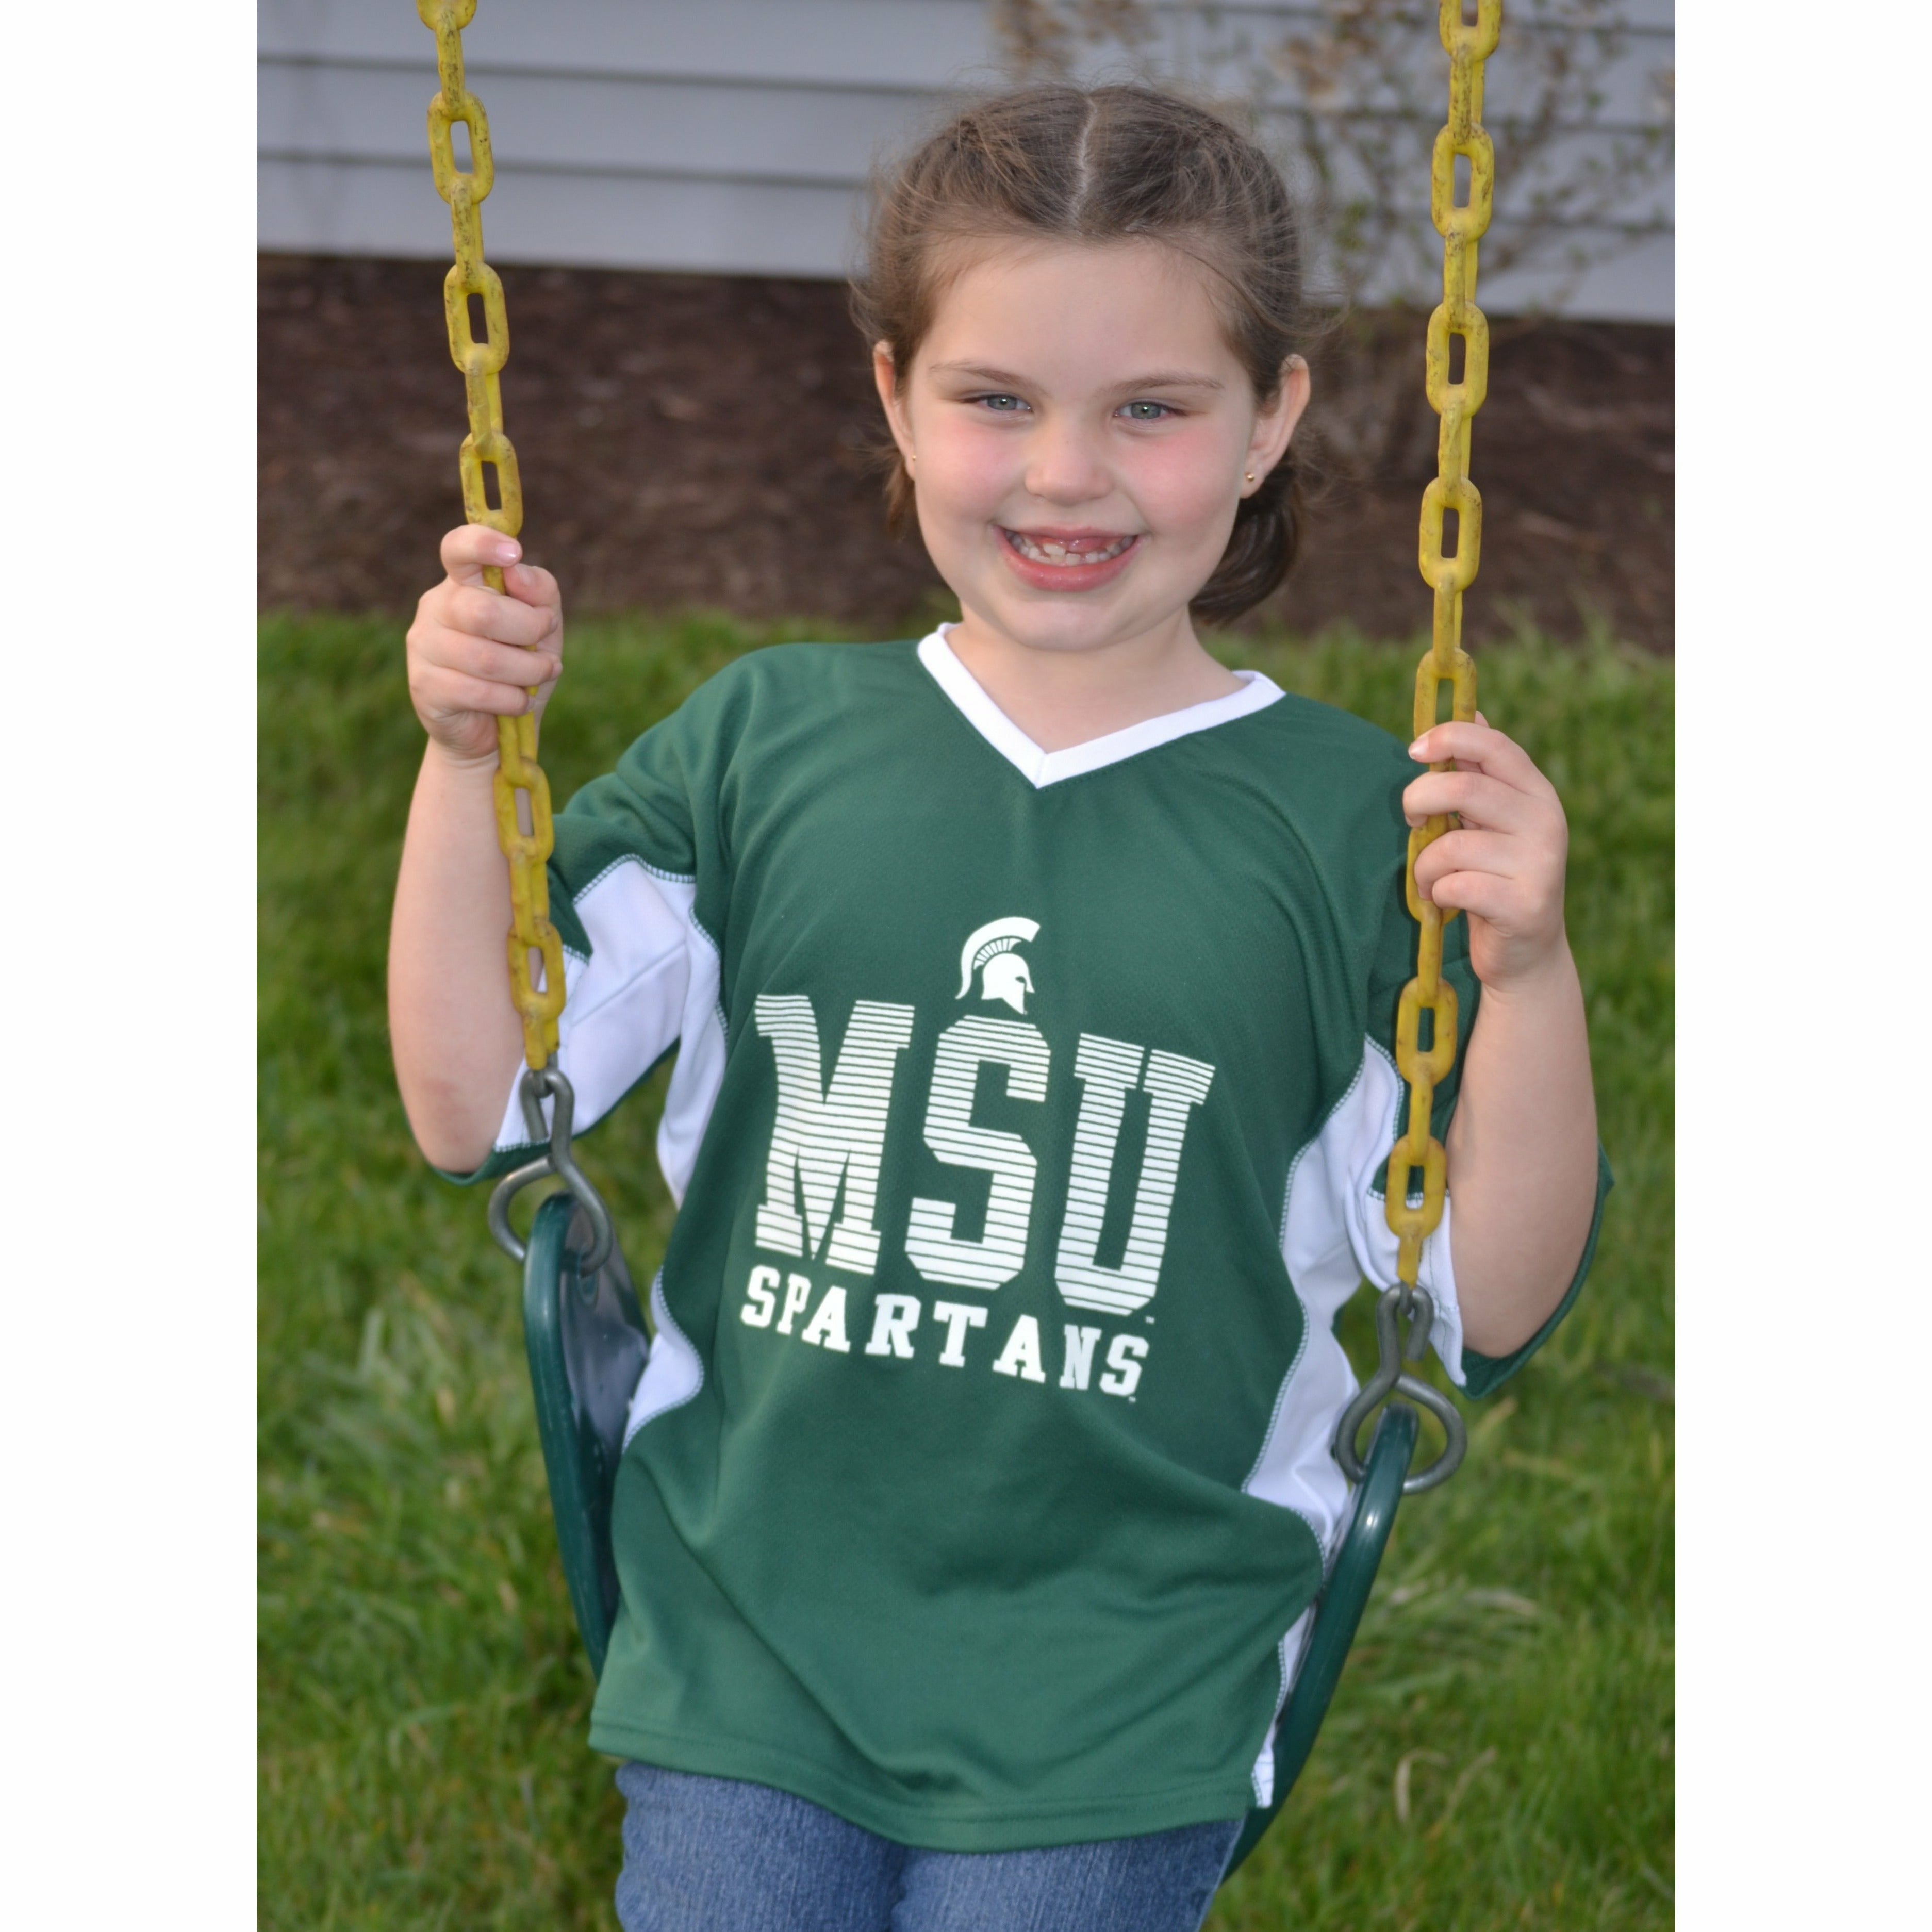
(1503, 866)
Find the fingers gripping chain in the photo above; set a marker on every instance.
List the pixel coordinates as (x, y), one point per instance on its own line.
(1410, 1219)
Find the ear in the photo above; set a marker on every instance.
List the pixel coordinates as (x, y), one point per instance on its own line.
(885, 376)
(1275, 422)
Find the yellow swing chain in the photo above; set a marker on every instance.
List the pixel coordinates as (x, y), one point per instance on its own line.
(520, 778)
(522, 791)
(1417, 1149)
(1449, 577)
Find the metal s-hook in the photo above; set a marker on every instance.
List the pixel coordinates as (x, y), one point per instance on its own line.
(1392, 1382)
(539, 1084)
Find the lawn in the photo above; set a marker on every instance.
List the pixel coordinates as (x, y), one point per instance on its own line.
(1500, 1753)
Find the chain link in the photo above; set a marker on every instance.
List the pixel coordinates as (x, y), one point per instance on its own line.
(1462, 226)
(522, 792)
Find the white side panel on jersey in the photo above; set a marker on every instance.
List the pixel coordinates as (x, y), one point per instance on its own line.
(624, 1004)
(700, 1071)
(1334, 1236)
(1291, 1648)
(652, 980)
(674, 1373)
(1363, 1149)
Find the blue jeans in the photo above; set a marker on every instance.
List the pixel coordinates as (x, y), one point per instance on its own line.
(714, 1854)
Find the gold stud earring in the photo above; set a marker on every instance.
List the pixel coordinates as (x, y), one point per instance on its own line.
(1251, 475)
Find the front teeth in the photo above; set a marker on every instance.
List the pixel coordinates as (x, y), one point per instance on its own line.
(1048, 551)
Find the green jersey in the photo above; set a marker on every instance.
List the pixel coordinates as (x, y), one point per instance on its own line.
(1028, 1123)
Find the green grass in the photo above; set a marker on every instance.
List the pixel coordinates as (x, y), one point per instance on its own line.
(1500, 1753)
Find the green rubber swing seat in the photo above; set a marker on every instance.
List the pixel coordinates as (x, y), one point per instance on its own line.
(588, 1344)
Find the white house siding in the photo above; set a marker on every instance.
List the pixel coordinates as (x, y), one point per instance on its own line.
(736, 135)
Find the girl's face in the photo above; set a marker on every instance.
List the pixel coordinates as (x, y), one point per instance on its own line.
(1079, 433)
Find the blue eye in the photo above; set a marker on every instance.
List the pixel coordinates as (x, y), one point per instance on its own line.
(1147, 412)
(1007, 404)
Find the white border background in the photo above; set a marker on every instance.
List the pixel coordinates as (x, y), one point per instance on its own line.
(1804, 1189)
(126, 1371)
(126, 1356)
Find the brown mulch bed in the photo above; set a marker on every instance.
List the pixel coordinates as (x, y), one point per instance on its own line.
(698, 440)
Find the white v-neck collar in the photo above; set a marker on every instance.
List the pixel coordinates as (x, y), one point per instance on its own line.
(1041, 768)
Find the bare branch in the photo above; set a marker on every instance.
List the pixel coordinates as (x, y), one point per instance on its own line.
(1347, 95)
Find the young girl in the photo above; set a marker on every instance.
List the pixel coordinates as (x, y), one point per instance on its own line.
(1033, 988)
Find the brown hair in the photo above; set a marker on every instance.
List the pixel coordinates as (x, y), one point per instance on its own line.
(1102, 164)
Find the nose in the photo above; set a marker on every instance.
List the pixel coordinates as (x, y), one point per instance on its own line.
(1064, 462)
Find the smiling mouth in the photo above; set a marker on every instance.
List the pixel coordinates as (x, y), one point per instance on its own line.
(1069, 552)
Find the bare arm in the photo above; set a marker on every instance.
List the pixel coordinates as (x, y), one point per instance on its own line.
(1522, 1146)
(473, 654)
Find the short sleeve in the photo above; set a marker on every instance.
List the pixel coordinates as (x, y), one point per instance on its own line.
(1376, 1248)
(1482, 1375)
(640, 974)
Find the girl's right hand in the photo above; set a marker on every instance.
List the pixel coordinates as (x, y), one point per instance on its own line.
(474, 654)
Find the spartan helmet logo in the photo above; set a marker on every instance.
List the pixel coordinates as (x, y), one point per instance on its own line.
(1006, 976)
